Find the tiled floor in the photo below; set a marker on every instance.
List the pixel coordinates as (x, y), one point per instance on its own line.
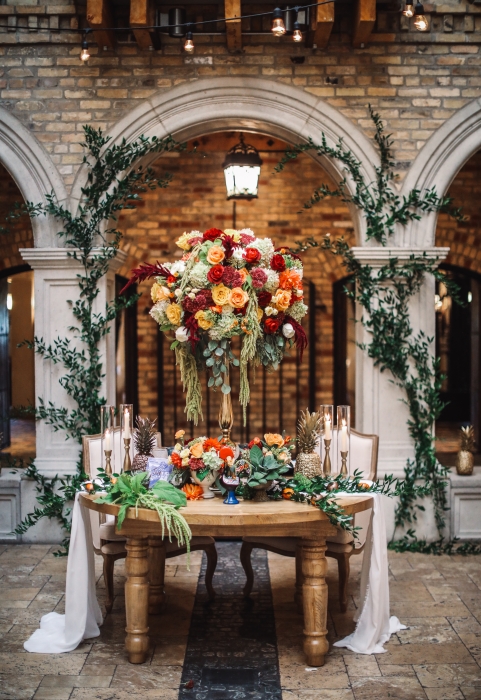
(437, 657)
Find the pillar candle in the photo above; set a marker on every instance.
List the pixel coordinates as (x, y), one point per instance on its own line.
(107, 441)
(344, 437)
(126, 433)
(327, 428)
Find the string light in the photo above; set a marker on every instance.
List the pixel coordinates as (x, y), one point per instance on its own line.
(297, 34)
(189, 43)
(420, 20)
(85, 54)
(408, 10)
(278, 27)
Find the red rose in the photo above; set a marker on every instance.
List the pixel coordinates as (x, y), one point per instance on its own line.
(215, 274)
(254, 441)
(264, 299)
(171, 279)
(278, 263)
(212, 233)
(252, 255)
(271, 325)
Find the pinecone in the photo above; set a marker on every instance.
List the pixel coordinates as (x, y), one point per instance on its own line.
(467, 439)
(308, 431)
(144, 441)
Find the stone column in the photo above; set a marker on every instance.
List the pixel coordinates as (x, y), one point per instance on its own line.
(55, 284)
(379, 406)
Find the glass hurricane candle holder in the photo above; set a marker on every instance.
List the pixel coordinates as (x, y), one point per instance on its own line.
(327, 427)
(126, 428)
(107, 424)
(343, 438)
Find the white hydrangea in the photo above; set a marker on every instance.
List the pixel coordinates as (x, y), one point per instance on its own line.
(158, 312)
(265, 247)
(236, 259)
(247, 231)
(298, 310)
(177, 267)
(272, 283)
(198, 275)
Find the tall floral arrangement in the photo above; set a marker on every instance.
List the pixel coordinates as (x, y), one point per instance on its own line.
(227, 283)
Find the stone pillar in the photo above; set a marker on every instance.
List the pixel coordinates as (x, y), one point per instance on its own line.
(55, 284)
(379, 406)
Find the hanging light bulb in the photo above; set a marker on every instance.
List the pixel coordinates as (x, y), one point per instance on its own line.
(85, 54)
(420, 20)
(297, 34)
(408, 10)
(189, 43)
(278, 27)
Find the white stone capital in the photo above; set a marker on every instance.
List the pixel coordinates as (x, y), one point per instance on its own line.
(61, 258)
(377, 257)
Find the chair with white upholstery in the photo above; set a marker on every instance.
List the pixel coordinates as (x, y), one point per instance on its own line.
(110, 545)
(341, 546)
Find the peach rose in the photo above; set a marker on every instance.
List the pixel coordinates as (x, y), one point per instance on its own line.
(243, 273)
(197, 450)
(203, 322)
(173, 313)
(290, 279)
(282, 299)
(274, 439)
(159, 293)
(238, 298)
(215, 255)
(179, 434)
(220, 294)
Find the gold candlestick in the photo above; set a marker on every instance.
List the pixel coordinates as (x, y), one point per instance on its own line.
(127, 463)
(226, 414)
(108, 466)
(327, 459)
(343, 471)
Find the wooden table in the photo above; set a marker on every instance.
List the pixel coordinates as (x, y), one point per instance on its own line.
(146, 557)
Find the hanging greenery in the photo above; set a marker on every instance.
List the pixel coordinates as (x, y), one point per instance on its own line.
(115, 182)
(384, 294)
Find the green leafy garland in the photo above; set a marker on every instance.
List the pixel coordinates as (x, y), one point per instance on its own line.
(384, 295)
(114, 182)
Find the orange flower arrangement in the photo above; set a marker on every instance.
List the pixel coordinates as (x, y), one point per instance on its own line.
(211, 443)
(290, 279)
(193, 492)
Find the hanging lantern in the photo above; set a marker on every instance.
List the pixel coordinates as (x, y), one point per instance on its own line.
(242, 167)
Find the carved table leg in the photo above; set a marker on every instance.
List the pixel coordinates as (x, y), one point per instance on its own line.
(314, 594)
(137, 599)
(299, 578)
(156, 575)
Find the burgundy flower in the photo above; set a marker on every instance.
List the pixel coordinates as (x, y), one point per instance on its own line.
(278, 263)
(196, 240)
(215, 274)
(231, 277)
(264, 299)
(259, 277)
(252, 255)
(271, 325)
(196, 464)
(212, 233)
(202, 301)
(246, 238)
(229, 244)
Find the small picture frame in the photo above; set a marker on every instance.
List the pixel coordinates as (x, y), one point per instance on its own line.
(159, 469)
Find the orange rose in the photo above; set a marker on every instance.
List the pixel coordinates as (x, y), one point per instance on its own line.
(282, 299)
(197, 450)
(215, 255)
(290, 279)
(217, 309)
(238, 298)
(243, 273)
(274, 439)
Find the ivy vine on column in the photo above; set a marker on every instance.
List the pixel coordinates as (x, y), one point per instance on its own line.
(384, 295)
(115, 181)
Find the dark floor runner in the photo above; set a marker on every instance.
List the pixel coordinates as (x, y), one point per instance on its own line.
(231, 652)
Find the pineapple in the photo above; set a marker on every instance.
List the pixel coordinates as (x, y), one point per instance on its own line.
(308, 462)
(465, 457)
(144, 441)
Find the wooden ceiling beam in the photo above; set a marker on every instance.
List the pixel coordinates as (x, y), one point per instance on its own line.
(320, 26)
(364, 21)
(99, 19)
(142, 15)
(232, 8)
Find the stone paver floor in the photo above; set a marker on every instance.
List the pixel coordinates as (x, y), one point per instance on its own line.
(438, 657)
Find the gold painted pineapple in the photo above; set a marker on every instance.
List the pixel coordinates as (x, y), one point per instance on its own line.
(144, 441)
(465, 457)
(308, 462)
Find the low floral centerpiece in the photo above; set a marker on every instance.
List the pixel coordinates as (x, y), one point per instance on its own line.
(228, 283)
(200, 460)
(263, 461)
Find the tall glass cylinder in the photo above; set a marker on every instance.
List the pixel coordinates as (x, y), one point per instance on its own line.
(327, 429)
(107, 424)
(126, 430)
(343, 439)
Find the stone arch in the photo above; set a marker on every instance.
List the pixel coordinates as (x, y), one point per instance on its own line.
(437, 164)
(33, 171)
(250, 104)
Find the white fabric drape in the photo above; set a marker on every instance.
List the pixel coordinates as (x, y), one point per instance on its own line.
(374, 625)
(60, 633)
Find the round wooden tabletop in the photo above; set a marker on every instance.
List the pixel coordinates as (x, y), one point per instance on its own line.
(213, 511)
